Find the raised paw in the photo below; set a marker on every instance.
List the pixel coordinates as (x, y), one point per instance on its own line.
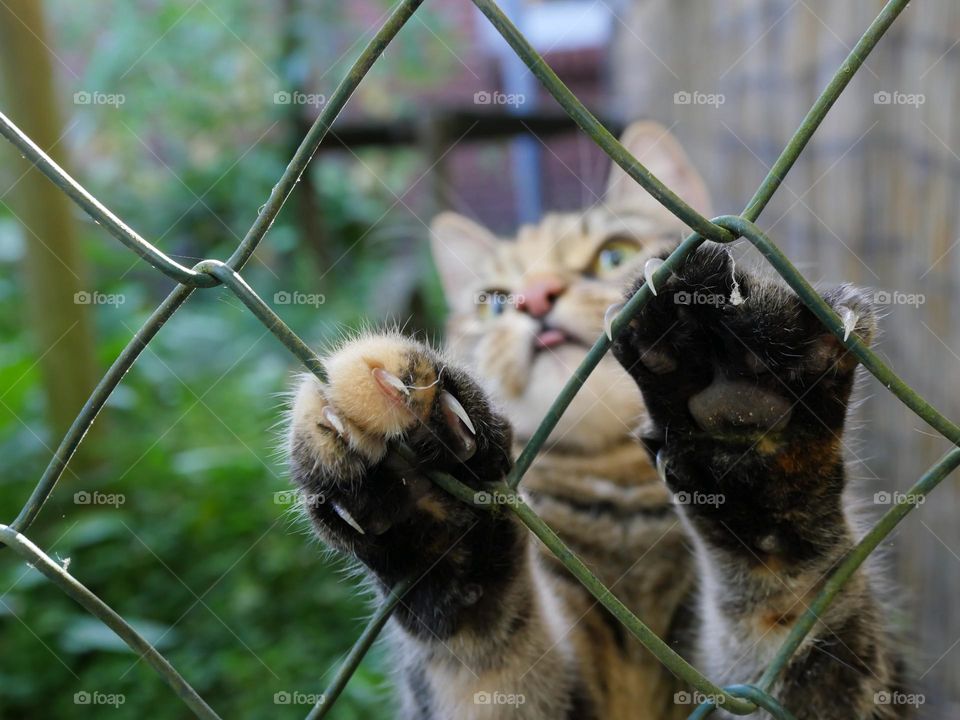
(725, 354)
(382, 390)
(747, 395)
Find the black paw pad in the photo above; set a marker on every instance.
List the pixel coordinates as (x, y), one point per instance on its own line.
(731, 406)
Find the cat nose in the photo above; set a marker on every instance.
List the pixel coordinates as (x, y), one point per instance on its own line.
(539, 295)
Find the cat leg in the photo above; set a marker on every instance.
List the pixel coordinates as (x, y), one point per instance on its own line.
(474, 633)
(748, 394)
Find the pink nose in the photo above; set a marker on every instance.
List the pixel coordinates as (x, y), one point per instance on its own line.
(540, 294)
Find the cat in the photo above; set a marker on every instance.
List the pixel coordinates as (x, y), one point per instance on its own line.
(740, 397)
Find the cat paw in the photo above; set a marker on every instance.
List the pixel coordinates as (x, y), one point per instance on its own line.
(725, 355)
(381, 390)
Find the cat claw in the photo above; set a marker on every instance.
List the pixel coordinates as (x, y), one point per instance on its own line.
(452, 404)
(662, 466)
(334, 422)
(390, 383)
(608, 317)
(460, 423)
(649, 268)
(347, 518)
(849, 318)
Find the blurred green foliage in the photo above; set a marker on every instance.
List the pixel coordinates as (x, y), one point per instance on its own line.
(201, 555)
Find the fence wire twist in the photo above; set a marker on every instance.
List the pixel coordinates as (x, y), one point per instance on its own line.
(737, 699)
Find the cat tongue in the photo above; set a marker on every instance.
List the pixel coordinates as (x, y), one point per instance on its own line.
(551, 337)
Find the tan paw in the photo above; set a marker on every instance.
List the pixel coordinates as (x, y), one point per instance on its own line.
(379, 388)
(382, 384)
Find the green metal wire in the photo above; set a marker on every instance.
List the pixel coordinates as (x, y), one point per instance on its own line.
(592, 359)
(278, 195)
(832, 321)
(191, 278)
(103, 612)
(264, 314)
(658, 647)
(360, 649)
(91, 408)
(748, 692)
(737, 699)
(821, 107)
(870, 542)
(663, 652)
(96, 210)
(594, 128)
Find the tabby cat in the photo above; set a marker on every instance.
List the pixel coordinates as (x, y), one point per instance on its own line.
(741, 396)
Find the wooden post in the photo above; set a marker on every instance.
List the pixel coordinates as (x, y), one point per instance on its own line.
(60, 325)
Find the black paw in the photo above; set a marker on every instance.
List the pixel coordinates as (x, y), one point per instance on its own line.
(377, 505)
(722, 354)
(747, 394)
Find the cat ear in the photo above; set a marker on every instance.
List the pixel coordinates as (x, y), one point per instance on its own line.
(460, 249)
(661, 153)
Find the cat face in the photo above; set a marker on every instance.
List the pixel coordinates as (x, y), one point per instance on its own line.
(524, 311)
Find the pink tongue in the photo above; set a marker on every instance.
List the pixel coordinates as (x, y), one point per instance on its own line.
(549, 338)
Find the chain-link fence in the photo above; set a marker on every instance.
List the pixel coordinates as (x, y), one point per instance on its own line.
(737, 699)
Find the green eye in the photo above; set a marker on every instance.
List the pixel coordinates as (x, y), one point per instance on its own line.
(612, 255)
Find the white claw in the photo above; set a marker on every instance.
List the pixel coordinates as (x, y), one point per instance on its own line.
(649, 268)
(454, 406)
(609, 316)
(390, 379)
(334, 421)
(662, 466)
(347, 518)
(849, 318)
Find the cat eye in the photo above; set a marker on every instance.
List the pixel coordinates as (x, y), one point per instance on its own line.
(612, 255)
(491, 303)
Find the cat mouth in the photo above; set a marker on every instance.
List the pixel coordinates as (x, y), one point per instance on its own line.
(548, 338)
